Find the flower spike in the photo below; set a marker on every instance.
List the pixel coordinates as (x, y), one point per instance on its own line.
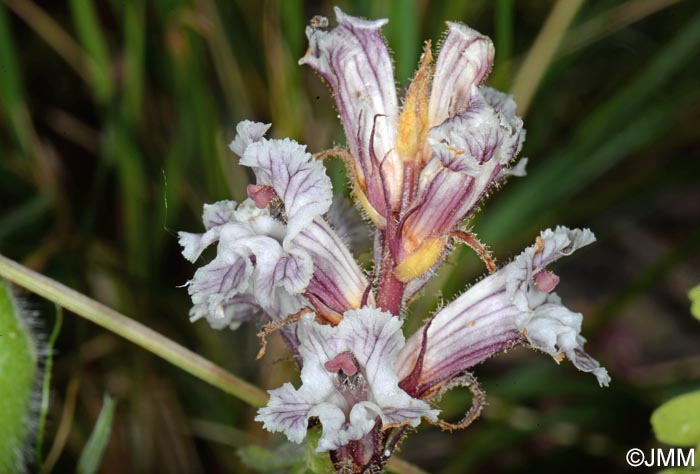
(420, 169)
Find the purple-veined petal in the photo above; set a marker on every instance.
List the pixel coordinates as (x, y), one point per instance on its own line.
(217, 214)
(247, 132)
(239, 309)
(339, 428)
(338, 281)
(251, 272)
(274, 267)
(354, 61)
(374, 337)
(550, 246)
(299, 181)
(504, 310)
(465, 59)
(214, 217)
(216, 283)
(347, 405)
(470, 151)
(556, 330)
(287, 412)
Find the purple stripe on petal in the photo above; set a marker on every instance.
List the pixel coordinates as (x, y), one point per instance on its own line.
(470, 151)
(348, 381)
(503, 310)
(465, 59)
(299, 181)
(354, 61)
(337, 279)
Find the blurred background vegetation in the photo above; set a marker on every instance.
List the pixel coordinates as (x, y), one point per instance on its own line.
(114, 121)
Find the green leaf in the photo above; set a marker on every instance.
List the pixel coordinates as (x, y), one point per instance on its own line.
(91, 456)
(694, 295)
(675, 470)
(289, 458)
(677, 422)
(312, 462)
(281, 459)
(18, 364)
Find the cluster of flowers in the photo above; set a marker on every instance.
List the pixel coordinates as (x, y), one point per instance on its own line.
(419, 171)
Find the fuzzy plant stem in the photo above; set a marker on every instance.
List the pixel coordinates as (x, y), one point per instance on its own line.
(390, 289)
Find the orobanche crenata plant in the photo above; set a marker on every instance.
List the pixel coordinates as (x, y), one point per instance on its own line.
(419, 172)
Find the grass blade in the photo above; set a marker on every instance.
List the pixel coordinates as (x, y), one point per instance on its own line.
(90, 34)
(52, 33)
(46, 384)
(12, 98)
(542, 52)
(91, 456)
(134, 53)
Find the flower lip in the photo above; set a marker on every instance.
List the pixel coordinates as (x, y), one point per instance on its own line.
(465, 59)
(504, 310)
(347, 404)
(261, 255)
(354, 61)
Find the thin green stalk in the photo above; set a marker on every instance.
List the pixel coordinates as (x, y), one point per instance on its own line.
(46, 384)
(610, 21)
(91, 457)
(91, 36)
(504, 23)
(52, 33)
(542, 52)
(131, 330)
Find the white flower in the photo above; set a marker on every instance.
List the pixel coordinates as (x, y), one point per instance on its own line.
(348, 381)
(512, 307)
(277, 260)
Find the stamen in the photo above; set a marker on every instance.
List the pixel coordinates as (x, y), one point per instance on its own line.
(344, 362)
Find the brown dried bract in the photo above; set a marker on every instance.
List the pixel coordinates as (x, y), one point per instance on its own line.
(276, 326)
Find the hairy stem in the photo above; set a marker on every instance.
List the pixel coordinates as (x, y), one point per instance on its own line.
(390, 290)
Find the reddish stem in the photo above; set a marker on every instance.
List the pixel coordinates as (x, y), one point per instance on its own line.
(390, 289)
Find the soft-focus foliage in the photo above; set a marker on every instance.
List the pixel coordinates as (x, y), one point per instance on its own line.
(19, 356)
(113, 125)
(677, 422)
